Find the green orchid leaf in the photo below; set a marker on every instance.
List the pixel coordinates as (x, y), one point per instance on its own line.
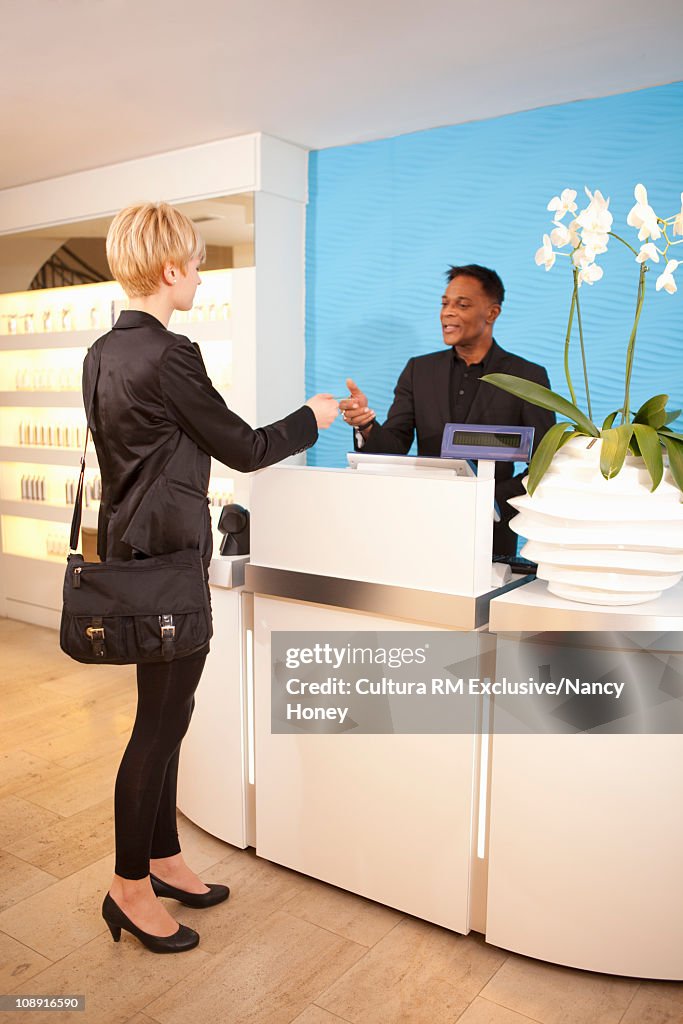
(625, 432)
(615, 444)
(672, 416)
(653, 412)
(543, 455)
(609, 420)
(675, 453)
(608, 451)
(568, 437)
(651, 450)
(665, 432)
(547, 399)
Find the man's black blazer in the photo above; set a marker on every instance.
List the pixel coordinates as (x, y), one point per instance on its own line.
(157, 421)
(422, 404)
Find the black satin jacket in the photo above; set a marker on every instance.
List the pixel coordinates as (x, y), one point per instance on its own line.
(156, 422)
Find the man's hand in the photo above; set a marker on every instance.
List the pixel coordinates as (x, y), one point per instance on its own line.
(325, 409)
(355, 409)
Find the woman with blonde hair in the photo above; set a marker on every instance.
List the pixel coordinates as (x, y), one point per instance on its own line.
(156, 423)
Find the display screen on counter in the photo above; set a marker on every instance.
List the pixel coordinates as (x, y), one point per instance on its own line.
(488, 440)
(495, 442)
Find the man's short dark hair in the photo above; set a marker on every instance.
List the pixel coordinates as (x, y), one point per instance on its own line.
(488, 279)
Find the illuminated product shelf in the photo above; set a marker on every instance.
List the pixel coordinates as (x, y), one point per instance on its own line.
(202, 331)
(43, 510)
(48, 456)
(42, 399)
(53, 339)
(198, 330)
(39, 539)
(46, 315)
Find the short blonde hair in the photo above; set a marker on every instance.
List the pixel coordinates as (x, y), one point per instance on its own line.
(143, 238)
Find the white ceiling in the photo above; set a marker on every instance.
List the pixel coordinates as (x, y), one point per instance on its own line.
(223, 220)
(87, 83)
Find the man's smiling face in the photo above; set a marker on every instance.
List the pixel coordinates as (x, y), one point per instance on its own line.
(467, 313)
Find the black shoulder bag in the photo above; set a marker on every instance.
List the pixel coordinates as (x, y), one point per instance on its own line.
(128, 612)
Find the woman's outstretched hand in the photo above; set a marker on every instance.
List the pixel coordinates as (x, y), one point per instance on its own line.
(325, 409)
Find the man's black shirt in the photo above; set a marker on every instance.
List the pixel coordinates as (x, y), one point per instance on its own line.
(464, 382)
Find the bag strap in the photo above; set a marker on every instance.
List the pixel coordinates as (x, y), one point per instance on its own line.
(78, 503)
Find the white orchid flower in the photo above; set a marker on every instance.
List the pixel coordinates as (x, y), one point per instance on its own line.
(583, 259)
(678, 223)
(643, 216)
(560, 205)
(545, 255)
(562, 235)
(596, 220)
(596, 241)
(596, 197)
(583, 256)
(559, 236)
(590, 274)
(666, 279)
(648, 251)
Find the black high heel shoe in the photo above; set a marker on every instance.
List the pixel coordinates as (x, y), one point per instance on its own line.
(182, 940)
(198, 900)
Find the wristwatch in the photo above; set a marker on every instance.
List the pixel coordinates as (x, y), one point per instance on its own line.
(360, 440)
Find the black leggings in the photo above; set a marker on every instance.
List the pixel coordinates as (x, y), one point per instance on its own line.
(145, 793)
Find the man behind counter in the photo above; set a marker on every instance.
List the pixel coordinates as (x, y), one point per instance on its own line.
(444, 387)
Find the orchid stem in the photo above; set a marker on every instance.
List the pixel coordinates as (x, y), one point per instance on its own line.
(569, 334)
(583, 356)
(623, 240)
(632, 342)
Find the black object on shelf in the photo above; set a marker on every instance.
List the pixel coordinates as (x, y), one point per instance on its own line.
(234, 523)
(522, 566)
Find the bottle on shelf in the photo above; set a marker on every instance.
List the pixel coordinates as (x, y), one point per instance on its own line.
(33, 488)
(57, 543)
(50, 435)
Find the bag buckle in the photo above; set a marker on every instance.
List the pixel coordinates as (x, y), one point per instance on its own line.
(95, 633)
(167, 629)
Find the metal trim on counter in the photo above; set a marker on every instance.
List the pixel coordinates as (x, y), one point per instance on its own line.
(451, 611)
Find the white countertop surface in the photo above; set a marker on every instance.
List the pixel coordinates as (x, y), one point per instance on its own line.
(532, 609)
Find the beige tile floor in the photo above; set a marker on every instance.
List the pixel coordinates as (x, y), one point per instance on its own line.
(285, 948)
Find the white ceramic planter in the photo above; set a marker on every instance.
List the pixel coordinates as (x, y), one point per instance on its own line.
(609, 542)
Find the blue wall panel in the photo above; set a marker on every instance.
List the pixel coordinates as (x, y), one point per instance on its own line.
(385, 220)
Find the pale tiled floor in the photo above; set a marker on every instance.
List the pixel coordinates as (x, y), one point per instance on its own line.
(284, 948)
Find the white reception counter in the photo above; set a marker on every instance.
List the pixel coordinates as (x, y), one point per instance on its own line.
(565, 848)
(586, 837)
(356, 551)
